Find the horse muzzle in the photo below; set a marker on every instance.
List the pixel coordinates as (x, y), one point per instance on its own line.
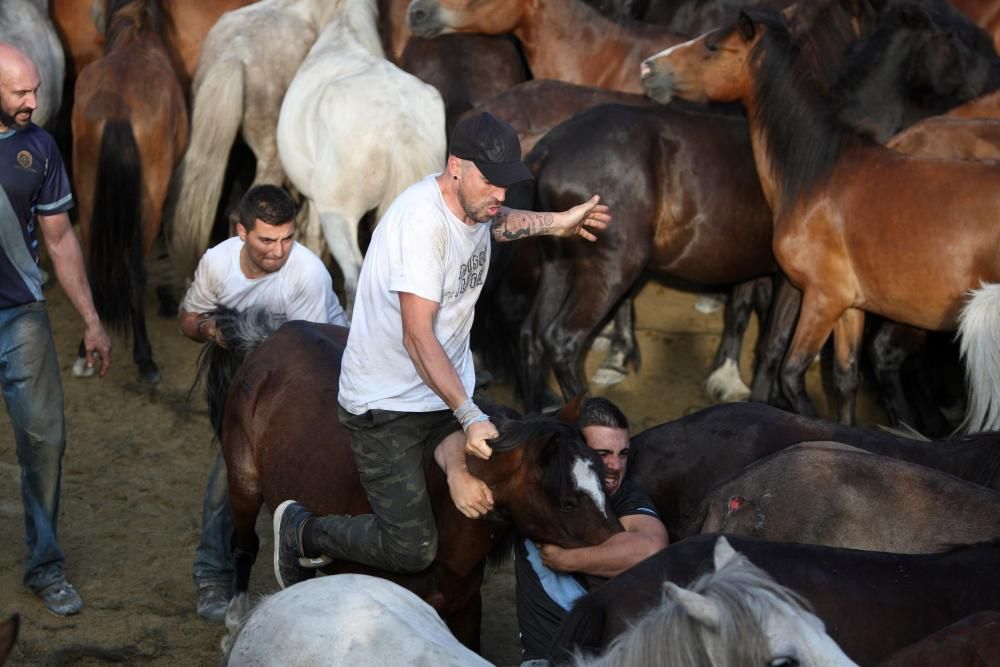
(423, 18)
(658, 81)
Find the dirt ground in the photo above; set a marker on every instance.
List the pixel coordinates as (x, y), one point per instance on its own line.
(136, 465)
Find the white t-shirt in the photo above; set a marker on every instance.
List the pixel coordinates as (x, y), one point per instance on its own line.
(419, 247)
(300, 290)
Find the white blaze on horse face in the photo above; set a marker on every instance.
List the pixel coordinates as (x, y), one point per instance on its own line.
(587, 481)
(799, 634)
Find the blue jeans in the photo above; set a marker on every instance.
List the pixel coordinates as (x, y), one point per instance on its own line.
(213, 560)
(32, 390)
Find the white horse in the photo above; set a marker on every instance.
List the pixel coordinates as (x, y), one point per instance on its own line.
(246, 64)
(355, 131)
(26, 25)
(346, 619)
(737, 616)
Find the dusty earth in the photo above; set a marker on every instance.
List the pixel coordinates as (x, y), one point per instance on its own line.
(136, 465)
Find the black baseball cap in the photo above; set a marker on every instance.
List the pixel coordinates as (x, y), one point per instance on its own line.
(492, 145)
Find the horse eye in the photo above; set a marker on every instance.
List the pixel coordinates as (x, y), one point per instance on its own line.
(568, 505)
(783, 661)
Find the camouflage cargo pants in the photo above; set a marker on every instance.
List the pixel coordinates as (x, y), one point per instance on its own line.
(389, 449)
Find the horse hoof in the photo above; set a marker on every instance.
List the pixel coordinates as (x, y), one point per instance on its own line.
(724, 385)
(80, 369)
(708, 304)
(607, 376)
(149, 373)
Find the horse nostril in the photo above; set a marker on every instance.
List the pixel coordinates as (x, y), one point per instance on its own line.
(417, 15)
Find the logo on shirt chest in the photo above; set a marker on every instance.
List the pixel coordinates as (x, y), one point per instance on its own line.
(25, 160)
(472, 273)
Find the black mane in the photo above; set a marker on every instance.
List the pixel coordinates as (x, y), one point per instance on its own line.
(804, 137)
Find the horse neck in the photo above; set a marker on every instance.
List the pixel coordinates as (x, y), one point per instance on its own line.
(348, 22)
(796, 139)
(559, 38)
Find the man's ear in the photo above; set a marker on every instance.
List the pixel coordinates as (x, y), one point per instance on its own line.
(241, 231)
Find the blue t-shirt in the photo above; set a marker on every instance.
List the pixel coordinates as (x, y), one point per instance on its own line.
(33, 180)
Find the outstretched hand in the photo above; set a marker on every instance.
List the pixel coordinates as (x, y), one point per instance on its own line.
(579, 220)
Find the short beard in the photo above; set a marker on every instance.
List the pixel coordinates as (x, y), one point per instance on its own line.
(472, 213)
(10, 120)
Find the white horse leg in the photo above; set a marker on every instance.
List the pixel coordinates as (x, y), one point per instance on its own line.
(341, 233)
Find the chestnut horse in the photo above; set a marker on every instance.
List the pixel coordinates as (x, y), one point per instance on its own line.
(872, 603)
(130, 126)
(561, 39)
(280, 441)
(858, 227)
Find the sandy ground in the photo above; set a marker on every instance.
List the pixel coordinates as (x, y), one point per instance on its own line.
(136, 465)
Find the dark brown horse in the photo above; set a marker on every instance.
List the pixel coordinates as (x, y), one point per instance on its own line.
(8, 636)
(975, 640)
(841, 496)
(280, 441)
(130, 127)
(679, 463)
(872, 603)
(858, 227)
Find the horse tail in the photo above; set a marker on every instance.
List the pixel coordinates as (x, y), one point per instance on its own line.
(216, 118)
(979, 332)
(114, 253)
(216, 366)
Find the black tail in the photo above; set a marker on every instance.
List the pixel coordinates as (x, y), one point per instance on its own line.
(115, 261)
(243, 332)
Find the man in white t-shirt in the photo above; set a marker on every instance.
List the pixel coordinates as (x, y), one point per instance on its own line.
(262, 266)
(407, 371)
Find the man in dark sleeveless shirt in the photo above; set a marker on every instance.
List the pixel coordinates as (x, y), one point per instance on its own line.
(35, 195)
(547, 583)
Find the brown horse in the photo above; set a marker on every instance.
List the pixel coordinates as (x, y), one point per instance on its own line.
(187, 23)
(8, 636)
(280, 441)
(840, 496)
(975, 640)
(985, 106)
(130, 127)
(562, 39)
(951, 138)
(858, 227)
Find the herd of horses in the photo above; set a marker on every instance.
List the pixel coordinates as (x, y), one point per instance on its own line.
(822, 160)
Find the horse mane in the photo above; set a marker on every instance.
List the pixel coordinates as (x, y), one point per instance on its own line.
(668, 635)
(216, 366)
(125, 19)
(826, 30)
(804, 137)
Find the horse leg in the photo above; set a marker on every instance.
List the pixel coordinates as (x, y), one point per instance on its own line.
(142, 351)
(531, 366)
(773, 342)
(724, 384)
(817, 317)
(622, 347)
(847, 336)
(889, 349)
(340, 229)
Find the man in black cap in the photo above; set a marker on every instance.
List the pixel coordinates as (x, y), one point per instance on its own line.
(407, 371)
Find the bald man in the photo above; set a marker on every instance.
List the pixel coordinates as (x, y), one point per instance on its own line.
(35, 195)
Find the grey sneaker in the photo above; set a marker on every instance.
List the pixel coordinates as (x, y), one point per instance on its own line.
(290, 565)
(213, 601)
(61, 598)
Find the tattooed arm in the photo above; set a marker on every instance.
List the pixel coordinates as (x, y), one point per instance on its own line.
(509, 224)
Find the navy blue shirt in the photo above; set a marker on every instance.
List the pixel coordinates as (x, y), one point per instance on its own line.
(33, 179)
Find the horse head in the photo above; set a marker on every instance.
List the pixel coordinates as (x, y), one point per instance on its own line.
(430, 18)
(547, 482)
(736, 615)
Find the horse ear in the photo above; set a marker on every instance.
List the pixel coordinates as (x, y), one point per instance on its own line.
(701, 608)
(724, 553)
(746, 27)
(570, 412)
